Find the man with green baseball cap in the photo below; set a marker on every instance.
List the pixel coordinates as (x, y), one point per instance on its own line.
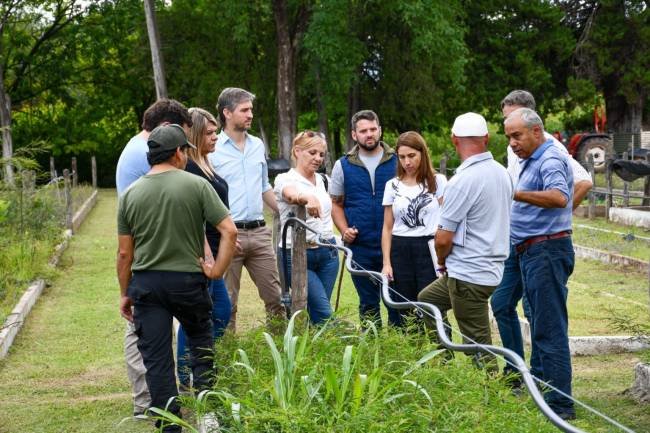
(160, 264)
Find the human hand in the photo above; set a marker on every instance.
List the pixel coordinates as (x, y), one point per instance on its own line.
(388, 271)
(125, 308)
(350, 234)
(313, 206)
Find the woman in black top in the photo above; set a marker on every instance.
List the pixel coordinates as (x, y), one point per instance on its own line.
(203, 135)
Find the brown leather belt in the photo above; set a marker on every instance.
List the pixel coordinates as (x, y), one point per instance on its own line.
(520, 248)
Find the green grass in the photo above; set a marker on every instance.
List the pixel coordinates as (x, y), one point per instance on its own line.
(65, 372)
(30, 228)
(611, 242)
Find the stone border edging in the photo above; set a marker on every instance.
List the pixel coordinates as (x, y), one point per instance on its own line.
(16, 318)
(614, 259)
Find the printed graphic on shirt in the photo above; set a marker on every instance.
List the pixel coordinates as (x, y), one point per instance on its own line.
(412, 217)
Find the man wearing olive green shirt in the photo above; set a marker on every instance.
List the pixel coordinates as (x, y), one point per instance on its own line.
(160, 265)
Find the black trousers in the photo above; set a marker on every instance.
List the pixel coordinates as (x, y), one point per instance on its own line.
(159, 296)
(412, 269)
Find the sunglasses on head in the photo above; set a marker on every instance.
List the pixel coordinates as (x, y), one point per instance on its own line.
(312, 134)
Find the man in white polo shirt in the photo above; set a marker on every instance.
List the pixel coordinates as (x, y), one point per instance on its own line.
(471, 244)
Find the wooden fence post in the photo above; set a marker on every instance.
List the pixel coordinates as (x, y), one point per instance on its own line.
(609, 202)
(299, 263)
(52, 169)
(93, 162)
(646, 186)
(276, 239)
(29, 182)
(443, 165)
(626, 187)
(75, 174)
(592, 194)
(68, 199)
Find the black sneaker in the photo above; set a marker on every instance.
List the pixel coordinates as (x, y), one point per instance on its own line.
(567, 415)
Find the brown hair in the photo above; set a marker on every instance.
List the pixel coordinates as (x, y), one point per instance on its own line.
(165, 110)
(306, 140)
(425, 174)
(200, 120)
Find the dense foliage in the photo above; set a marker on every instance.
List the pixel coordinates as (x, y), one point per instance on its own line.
(80, 85)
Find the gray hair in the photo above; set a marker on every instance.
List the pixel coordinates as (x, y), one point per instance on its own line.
(528, 116)
(521, 98)
(230, 98)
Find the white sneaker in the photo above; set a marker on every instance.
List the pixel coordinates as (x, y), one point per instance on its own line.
(208, 423)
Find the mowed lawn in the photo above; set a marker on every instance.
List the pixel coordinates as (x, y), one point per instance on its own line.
(66, 373)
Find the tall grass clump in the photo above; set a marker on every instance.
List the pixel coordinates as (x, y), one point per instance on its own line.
(31, 224)
(331, 380)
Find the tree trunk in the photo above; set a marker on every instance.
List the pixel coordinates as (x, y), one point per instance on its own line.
(322, 122)
(286, 80)
(353, 107)
(265, 140)
(156, 55)
(5, 126)
(623, 116)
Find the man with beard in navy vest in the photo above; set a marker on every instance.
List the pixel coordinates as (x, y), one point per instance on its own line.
(357, 190)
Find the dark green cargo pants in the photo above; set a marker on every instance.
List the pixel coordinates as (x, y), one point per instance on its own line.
(469, 303)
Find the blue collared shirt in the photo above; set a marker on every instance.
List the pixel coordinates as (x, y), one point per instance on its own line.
(476, 207)
(132, 164)
(246, 173)
(547, 168)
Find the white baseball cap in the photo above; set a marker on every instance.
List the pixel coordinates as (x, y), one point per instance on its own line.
(470, 125)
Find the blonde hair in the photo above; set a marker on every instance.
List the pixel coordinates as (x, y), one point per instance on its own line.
(200, 120)
(306, 140)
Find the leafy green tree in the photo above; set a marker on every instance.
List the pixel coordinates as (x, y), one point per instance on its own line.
(613, 53)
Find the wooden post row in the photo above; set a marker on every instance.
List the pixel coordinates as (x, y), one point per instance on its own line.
(610, 198)
(299, 264)
(68, 199)
(626, 187)
(93, 162)
(646, 186)
(75, 174)
(443, 165)
(52, 169)
(592, 194)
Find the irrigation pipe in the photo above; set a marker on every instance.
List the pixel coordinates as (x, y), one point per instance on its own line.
(432, 311)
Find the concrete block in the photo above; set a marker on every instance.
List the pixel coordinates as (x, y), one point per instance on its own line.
(17, 317)
(614, 259)
(637, 217)
(600, 345)
(640, 390)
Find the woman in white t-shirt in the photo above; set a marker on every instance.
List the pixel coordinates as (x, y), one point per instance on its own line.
(412, 202)
(302, 185)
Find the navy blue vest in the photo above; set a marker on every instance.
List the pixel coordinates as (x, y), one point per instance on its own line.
(363, 206)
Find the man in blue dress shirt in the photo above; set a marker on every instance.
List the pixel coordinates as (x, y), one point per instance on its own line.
(540, 232)
(240, 159)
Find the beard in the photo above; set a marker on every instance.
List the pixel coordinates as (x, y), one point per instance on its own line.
(369, 147)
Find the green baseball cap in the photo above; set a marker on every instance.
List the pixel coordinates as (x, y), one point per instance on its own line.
(167, 137)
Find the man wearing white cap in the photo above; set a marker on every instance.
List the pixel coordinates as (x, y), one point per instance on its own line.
(471, 244)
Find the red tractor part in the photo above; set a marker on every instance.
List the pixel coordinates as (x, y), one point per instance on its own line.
(598, 144)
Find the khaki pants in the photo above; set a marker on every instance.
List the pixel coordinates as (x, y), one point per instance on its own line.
(470, 305)
(135, 370)
(259, 258)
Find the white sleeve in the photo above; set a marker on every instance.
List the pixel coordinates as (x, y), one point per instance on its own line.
(513, 166)
(336, 187)
(579, 172)
(281, 181)
(389, 193)
(441, 183)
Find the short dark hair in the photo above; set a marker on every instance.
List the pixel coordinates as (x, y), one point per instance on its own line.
(160, 157)
(165, 110)
(363, 115)
(230, 98)
(521, 98)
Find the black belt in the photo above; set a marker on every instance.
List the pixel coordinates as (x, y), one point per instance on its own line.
(249, 224)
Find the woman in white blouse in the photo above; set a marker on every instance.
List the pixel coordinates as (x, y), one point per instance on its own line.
(412, 203)
(302, 185)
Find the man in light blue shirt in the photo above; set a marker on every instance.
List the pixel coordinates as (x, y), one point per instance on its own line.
(240, 159)
(130, 167)
(471, 244)
(541, 235)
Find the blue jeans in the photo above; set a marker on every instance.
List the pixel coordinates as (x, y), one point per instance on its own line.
(504, 307)
(220, 317)
(545, 270)
(368, 289)
(322, 269)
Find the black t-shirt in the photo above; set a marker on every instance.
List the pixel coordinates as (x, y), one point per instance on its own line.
(221, 187)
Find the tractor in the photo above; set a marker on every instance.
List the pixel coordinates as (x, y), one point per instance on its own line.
(597, 144)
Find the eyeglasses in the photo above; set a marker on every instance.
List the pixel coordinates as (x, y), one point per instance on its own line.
(312, 134)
